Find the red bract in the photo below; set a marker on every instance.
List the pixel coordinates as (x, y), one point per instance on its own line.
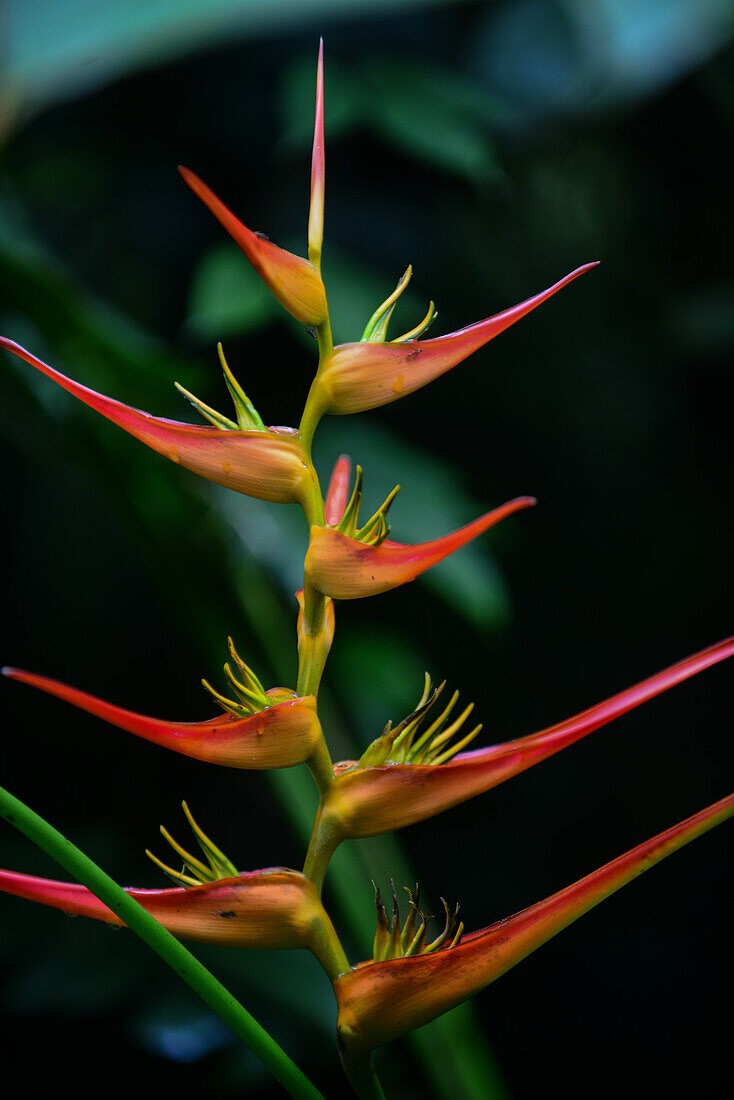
(273, 908)
(380, 1001)
(268, 464)
(279, 736)
(346, 569)
(365, 375)
(367, 801)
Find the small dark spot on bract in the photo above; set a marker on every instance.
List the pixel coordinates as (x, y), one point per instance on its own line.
(10, 818)
(227, 913)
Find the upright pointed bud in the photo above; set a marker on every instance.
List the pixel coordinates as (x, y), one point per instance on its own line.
(381, 1000)
(318, 171)
(368, 374)
(279, 733)
(272, 909)
(415, 775)
(338, 491)
(347, 568)
(294, 281)
(268, 463)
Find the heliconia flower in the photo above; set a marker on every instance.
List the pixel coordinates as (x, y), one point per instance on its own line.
(267, 463)
(295, 281)
(194, 872)
(273, 908)
(381, 1000)
(395, 942)
(387, 791)
(259, 729)
(346, 562)
(373, 372)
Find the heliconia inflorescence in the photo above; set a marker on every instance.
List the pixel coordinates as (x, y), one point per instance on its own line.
(419, 767)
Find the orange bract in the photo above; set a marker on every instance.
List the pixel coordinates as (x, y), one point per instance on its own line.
(366, 375)
(279, 736)
(269, 465)
(295, 282)
(346, 569)
(380, 1001)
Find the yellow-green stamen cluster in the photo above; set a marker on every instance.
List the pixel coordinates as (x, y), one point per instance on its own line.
(406, 743)
(251, 696)
(248, 418)
(217, 866)
(393, 942)
(376, 529)
(376, 330)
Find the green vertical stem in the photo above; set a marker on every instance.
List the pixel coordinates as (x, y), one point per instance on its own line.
(145, 926)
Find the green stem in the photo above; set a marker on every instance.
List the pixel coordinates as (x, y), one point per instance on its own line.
(313, 643)
(317, 401)
(325, 839)
(162, 942)
(321, 766)
(312, 501)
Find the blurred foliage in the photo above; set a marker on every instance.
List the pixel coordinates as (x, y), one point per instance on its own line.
(495, 146)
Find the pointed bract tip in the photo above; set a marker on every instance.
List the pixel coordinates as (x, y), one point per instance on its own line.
(374, 372)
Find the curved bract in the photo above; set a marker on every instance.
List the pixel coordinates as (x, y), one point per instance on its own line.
(274, 908)
(380, 1001)
(280, 736)
(366, 375)
(364, 802)
(346, 569)
(295, 282)
(269, 465)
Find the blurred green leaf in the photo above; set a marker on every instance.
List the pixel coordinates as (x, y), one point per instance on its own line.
(228, 297)
(434, 116)
(428, 113)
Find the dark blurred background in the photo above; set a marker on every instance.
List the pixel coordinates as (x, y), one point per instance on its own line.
(496, 147)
